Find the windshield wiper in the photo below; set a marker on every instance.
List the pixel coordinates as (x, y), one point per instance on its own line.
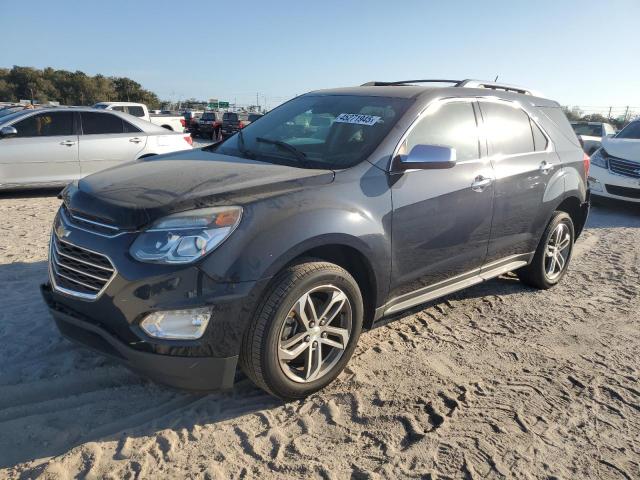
(299, 154)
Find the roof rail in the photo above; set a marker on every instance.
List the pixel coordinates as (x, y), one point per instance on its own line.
(405, 82)
(467, 83)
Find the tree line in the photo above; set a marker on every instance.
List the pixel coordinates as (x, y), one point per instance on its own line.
(70, 88)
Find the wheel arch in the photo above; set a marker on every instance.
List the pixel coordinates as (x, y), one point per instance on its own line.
(576, 210)
(347, 252)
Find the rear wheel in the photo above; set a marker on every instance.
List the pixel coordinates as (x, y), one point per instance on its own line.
(304, 331)
(551, 260)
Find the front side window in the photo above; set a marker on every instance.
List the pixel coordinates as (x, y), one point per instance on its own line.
(318, 131)
(100, 123)
(47, 124)
(451, 124)
(136, 111)
(508, 129)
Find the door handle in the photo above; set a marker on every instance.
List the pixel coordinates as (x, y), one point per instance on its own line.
(480, 183)
(135, 140)
(545, 167)
(68, 143)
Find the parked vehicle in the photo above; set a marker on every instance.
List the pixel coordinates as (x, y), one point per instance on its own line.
(191, 118)
(232, 122)
(592, 133)
(209, 124)
(166, 119)
(53, 146)
(616, 166)
(254, 116)
(274, 248)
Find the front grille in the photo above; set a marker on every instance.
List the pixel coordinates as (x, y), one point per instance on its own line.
(624, 167)
(623, 191)
(77, 271)
(89, 223)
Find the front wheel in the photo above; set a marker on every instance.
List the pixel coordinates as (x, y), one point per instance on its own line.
(551, 260)
(304, 331)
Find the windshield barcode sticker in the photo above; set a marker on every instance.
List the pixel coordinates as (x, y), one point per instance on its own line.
(358, 119)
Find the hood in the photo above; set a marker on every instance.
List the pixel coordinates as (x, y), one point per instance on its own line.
(625, 148)
(134, 194)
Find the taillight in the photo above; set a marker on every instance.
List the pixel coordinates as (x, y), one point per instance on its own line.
(587, 164)
(240, 125)
(183, 122)
(188, 139)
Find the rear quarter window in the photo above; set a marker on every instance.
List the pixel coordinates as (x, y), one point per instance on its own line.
(559, 120)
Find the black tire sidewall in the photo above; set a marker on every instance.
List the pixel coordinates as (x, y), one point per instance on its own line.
(273, 374)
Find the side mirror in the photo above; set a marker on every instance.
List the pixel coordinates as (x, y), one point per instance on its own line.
(427, 157)
(6, 132)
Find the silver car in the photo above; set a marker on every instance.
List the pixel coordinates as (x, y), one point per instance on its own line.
(53, 146)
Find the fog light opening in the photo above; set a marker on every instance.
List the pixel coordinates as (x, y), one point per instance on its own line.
(188, 324)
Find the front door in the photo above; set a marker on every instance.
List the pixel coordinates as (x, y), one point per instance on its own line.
(441, 218)
(44, 152)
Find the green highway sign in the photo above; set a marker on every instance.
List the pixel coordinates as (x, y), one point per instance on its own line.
(223, 104)
(212, 105)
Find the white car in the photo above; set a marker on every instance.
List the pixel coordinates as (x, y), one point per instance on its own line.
(53, 146)
(592, 133)
(615, 168)
(176, 123)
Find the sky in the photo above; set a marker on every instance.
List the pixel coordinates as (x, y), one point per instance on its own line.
(578, 52)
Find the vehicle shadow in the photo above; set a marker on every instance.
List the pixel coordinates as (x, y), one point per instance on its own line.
(55, 395)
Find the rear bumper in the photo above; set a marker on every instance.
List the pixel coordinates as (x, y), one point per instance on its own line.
(191, 373)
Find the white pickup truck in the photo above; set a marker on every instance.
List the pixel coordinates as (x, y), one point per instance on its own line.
(140, 110)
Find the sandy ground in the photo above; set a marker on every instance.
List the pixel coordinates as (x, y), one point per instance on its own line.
(498, 381)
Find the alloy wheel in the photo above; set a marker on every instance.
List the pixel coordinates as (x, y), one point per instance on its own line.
(557, 251)
(315, 334)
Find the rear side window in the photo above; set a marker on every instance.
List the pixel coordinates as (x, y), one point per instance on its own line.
(129, 128)
(559, 119)
(136, 111)
(100, 123)
(48, 124)
(508, 129)
(451, 125)
(539, 140)
(118, 109)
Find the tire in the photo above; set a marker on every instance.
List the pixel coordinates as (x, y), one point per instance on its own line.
(537, 273)
(277, 322)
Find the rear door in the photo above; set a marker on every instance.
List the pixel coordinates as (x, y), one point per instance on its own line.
(524, 163)
(441, 218)
(45, 150)
(107, 140)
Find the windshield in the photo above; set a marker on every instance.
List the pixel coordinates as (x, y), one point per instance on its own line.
(327, 131)
(8, 111)
(588, 130)
(631, 131)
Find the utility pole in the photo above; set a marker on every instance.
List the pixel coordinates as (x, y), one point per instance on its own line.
(625, 114)
(609, 116)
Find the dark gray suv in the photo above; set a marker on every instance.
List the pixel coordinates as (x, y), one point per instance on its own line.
(273, 249)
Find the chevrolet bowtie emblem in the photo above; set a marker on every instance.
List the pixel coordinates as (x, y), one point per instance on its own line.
(62, 232)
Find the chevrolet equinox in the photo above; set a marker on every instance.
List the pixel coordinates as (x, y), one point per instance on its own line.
(272, 250)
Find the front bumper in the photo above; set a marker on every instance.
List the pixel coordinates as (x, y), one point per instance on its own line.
(191, 373)
(604, 183)
(109, 323)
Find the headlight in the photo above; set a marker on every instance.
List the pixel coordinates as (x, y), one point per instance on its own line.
(599, 158)
(187, 236)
